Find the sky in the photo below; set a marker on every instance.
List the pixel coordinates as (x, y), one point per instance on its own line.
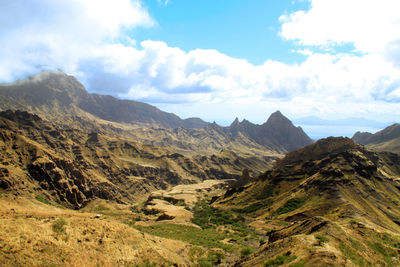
(220, 59)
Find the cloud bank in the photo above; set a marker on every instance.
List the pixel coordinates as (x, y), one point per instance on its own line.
(89, 39)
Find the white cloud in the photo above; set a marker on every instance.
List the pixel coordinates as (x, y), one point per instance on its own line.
(208, 83)
(370, 25)
(159, 72)
(47, 34)
(163, 2)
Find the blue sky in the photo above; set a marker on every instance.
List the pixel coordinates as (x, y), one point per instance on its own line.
(241, 29)
(220, 59)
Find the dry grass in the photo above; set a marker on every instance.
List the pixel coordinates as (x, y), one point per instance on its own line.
(34, 235)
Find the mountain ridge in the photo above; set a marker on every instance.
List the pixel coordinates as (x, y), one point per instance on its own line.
(57, 89)
(58, 96)
(388, 139)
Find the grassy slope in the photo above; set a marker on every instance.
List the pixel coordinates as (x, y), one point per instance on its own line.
(32, 235)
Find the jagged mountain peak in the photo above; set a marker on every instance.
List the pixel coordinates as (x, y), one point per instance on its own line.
(235, 122)
(277, 118)
(277, 132)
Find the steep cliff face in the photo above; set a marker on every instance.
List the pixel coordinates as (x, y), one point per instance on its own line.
(277, 133)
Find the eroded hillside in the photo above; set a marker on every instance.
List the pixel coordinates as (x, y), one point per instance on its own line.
(328, 204)
(72, 166)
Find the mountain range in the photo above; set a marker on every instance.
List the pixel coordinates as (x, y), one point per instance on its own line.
(387, 139)
(56, 96)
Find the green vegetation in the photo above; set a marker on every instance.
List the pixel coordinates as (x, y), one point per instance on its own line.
(146, 263)
(267, 191)
(213, 258)
(322, 239)
(4, 192)
(181, 203)
(280, 260)
(207, 216)
(133, 221)
(254, 207)
(266, 229)
(281, 223)
(58, 226)
(100, 208)
(386, 252)
(208, 238)
(42, 199)
(290, 205)
(390, 240)
(246, 251)
(300, 263)
(351, 254)
(195, 252)
(354, 221)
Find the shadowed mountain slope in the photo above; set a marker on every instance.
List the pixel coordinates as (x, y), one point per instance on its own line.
(55, 93)
(277, 132)
(387, 139)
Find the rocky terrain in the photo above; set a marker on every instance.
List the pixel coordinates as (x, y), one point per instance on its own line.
(333, 203)
(72, 167)
(387, 139)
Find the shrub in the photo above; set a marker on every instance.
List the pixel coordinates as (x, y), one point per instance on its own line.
(246, 251)
(322, 239)
(208, 238)
(351, 254)
(207, 216)
(267, 191)
(386, 252)
(58, 226)
(290, 205)
(254, 207)
(280, 260)
(100, 208)
(42, 199)
(300, 263)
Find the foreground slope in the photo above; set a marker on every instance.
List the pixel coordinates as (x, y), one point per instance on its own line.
(387, 139)
(35, 234)
(328, 204)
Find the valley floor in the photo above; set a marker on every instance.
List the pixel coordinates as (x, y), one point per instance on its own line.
(158, 232)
